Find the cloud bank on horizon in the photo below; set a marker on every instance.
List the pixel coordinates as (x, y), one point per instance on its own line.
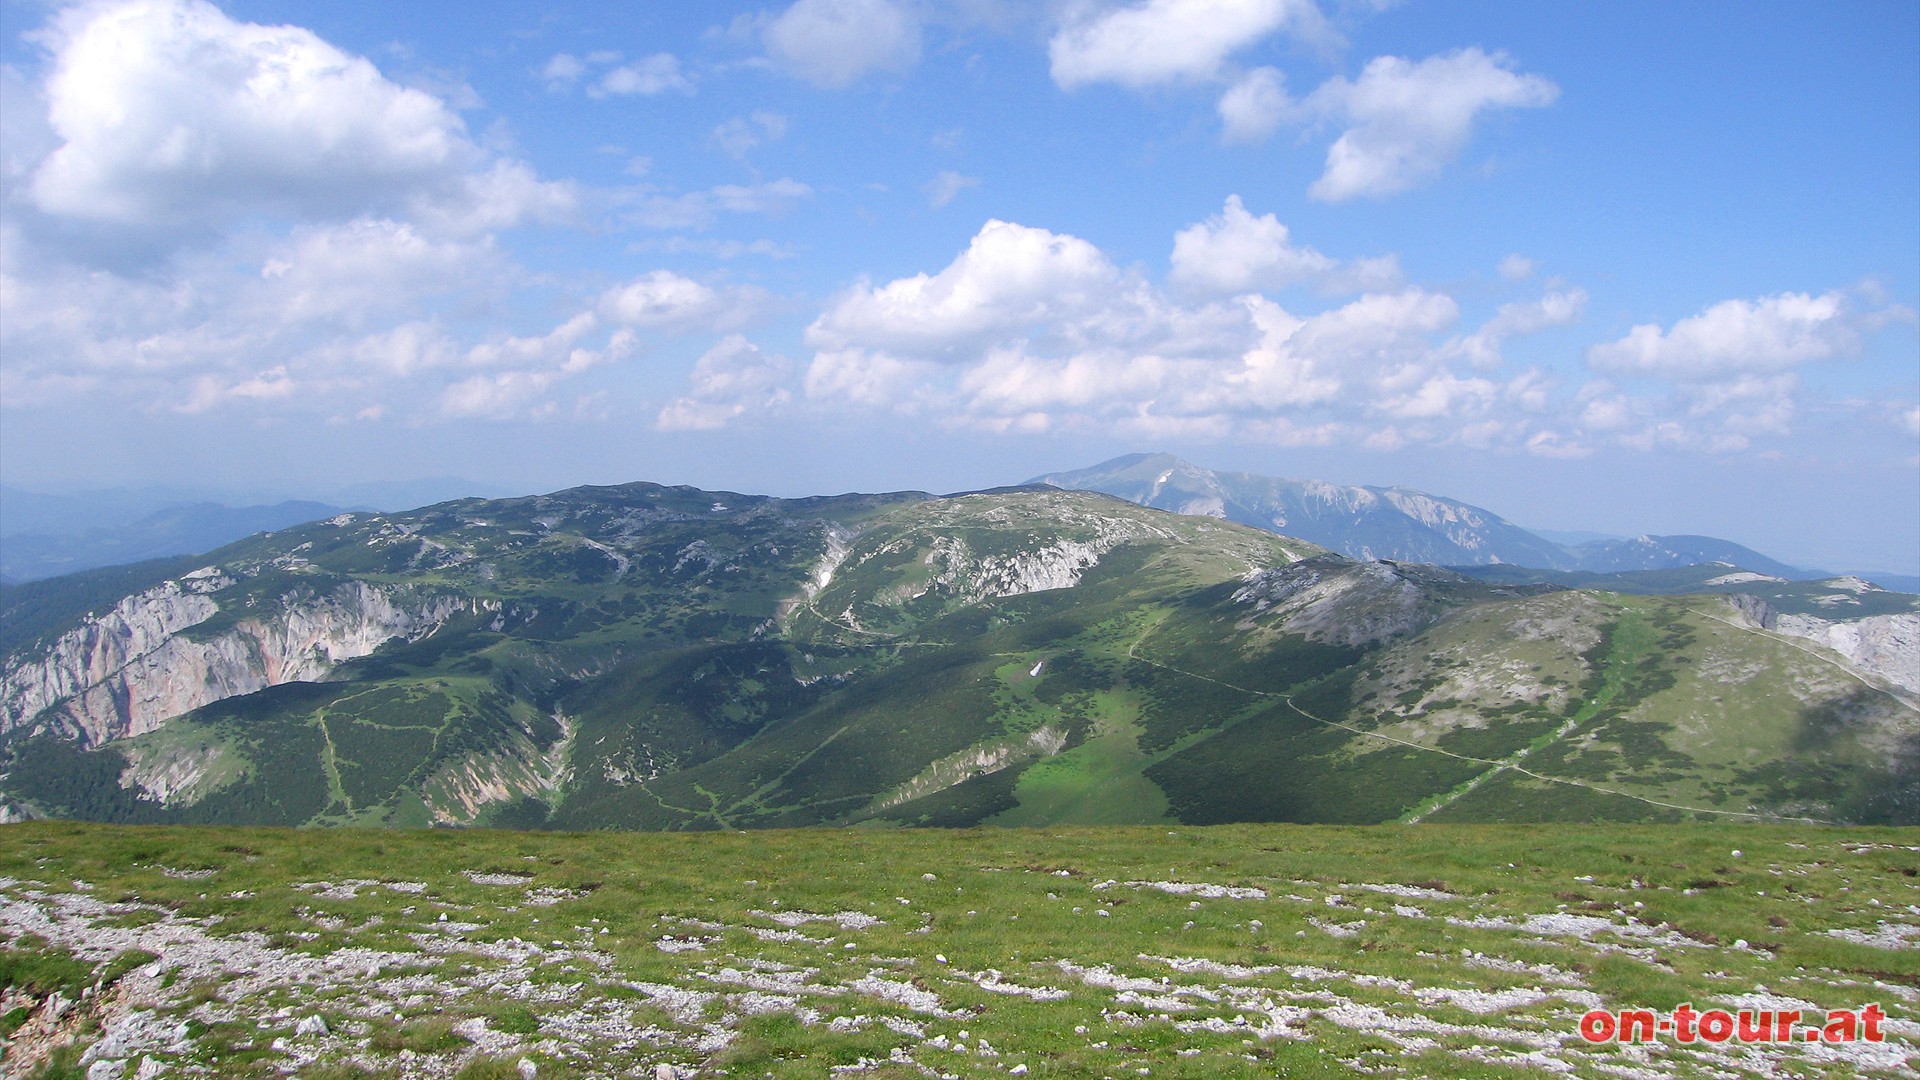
(1227, 223)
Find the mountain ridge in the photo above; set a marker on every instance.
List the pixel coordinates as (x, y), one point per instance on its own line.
(654, 657)
(1395, 522)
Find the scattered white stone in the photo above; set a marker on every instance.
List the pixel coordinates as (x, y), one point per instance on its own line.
(1191, 888)
(900, 993)
(479, 878)
(1339, 930)
(1481, 1001)
(1192, 966)
(1886, 936)
(845, 920)
(991, 981)
(1415, 892)
(311, 1025)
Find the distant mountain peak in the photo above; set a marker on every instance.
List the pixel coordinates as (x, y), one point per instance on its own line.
(1363, 522)
(1395, 522)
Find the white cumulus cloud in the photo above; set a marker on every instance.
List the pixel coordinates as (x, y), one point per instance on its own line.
(1233, 251)
(741, 134)
(1254, 106)
(1162, 41)
(946, 187)
(647, 76)
(1772, 334)
(731, 379)
(833, 43)
(1011, 276)
(170, 114)
(1557, 308)
(1408, 120)
(660, 298)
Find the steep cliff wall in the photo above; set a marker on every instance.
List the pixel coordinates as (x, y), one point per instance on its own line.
(1885, 645)
(127, 671)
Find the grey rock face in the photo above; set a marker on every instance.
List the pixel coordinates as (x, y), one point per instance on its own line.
(129, 670)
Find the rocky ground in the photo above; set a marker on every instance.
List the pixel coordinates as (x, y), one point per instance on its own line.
(949, 955)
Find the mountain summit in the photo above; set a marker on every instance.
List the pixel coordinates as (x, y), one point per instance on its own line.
(1361, 522)
(1392, 522)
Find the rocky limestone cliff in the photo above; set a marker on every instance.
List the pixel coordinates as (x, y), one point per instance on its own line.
(988, 757)
(93, 652)
(1335, 601)
(130, 670)
(460, 792)
(177, 775)
(1883, 645)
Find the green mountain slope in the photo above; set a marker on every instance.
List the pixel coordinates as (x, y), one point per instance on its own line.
(667, 658)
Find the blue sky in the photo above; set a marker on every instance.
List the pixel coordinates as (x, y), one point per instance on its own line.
(1624, 267)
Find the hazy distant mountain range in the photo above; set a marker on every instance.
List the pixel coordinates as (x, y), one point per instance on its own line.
(45, 535)
(1398, 523)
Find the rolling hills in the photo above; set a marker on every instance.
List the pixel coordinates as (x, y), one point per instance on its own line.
(669, 658)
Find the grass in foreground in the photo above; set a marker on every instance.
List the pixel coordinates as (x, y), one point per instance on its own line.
(1236, 951)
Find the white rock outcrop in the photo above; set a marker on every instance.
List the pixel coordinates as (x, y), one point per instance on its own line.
(1883, 645)
(128, 671)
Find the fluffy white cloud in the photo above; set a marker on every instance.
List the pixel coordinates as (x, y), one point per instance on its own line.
(1011, 383)
(1233, 251)
(1163, 41)
(741, 134)
(1010, 277)
(1380, 331)
(730, 380)
(647, 76)
(1030, 330)
(563, 71)
(170, 114)
(1517, 267)
(525, 369)
(946, 187)
(832, 43)
(1254, 106)
(1557, 308)
(1715, 416)
(660, 298)
(365, 270)
(1408, 120)
(1443, 394)
(1734, 337)
(873, 379)
(666, 304)
(313, 238)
